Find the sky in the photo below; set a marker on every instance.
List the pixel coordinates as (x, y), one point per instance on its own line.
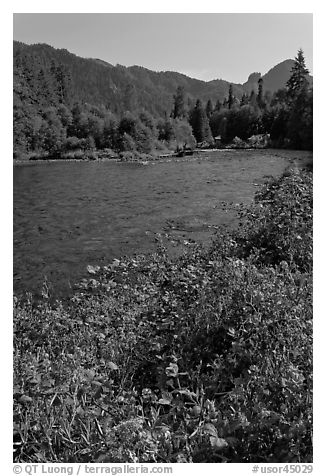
(205, 46)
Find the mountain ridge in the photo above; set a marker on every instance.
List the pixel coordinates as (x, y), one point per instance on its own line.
(95, 81)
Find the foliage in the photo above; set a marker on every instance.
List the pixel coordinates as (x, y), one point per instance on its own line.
(230, 97)
(209, 108)
(183, 134)
(260, 95)
(300, 121)
(206, 357)
(179, 107)
(165, 130)
(279, 227)
(298, 80)
(242, 122)
(199, 123)
(56, 98)
(300, 105)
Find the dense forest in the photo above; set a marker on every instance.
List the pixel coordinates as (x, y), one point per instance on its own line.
(70, 107)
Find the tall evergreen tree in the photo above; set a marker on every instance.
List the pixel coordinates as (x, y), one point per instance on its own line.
(298, 80)
(300, 125)
(230, 97)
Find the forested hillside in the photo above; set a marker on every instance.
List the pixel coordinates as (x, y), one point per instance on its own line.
(64, 104)
(117, 87)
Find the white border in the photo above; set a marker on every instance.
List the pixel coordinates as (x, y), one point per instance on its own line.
(169, 6)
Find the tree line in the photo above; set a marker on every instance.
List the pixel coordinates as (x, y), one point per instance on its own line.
(46, 123)
(287, 115)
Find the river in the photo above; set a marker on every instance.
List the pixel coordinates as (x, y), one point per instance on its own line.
(71, 214)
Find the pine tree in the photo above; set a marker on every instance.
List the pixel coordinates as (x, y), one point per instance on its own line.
(299, 125)
(231, 97)
(298, 80)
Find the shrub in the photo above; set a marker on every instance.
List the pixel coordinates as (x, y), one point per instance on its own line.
(279, 227)
(126, 143)
(73, 143)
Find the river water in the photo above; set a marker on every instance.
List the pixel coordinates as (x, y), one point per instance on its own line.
(69, 215)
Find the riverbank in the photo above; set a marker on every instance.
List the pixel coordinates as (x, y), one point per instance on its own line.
(202, 358)
(153, 158)
(122, 157)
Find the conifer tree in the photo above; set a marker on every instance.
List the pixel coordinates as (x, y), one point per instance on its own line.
(298, 80)
(231, 97)
(300, 106)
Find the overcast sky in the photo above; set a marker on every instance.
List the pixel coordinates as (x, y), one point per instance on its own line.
(201, 45)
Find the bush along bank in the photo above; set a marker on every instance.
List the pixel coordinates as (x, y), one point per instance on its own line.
(202, 358)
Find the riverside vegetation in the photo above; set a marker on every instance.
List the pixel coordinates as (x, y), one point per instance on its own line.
(204, 357)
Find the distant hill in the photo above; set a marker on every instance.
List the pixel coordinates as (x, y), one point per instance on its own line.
(120, 88)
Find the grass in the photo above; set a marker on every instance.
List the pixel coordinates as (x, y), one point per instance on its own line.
(202, 358)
